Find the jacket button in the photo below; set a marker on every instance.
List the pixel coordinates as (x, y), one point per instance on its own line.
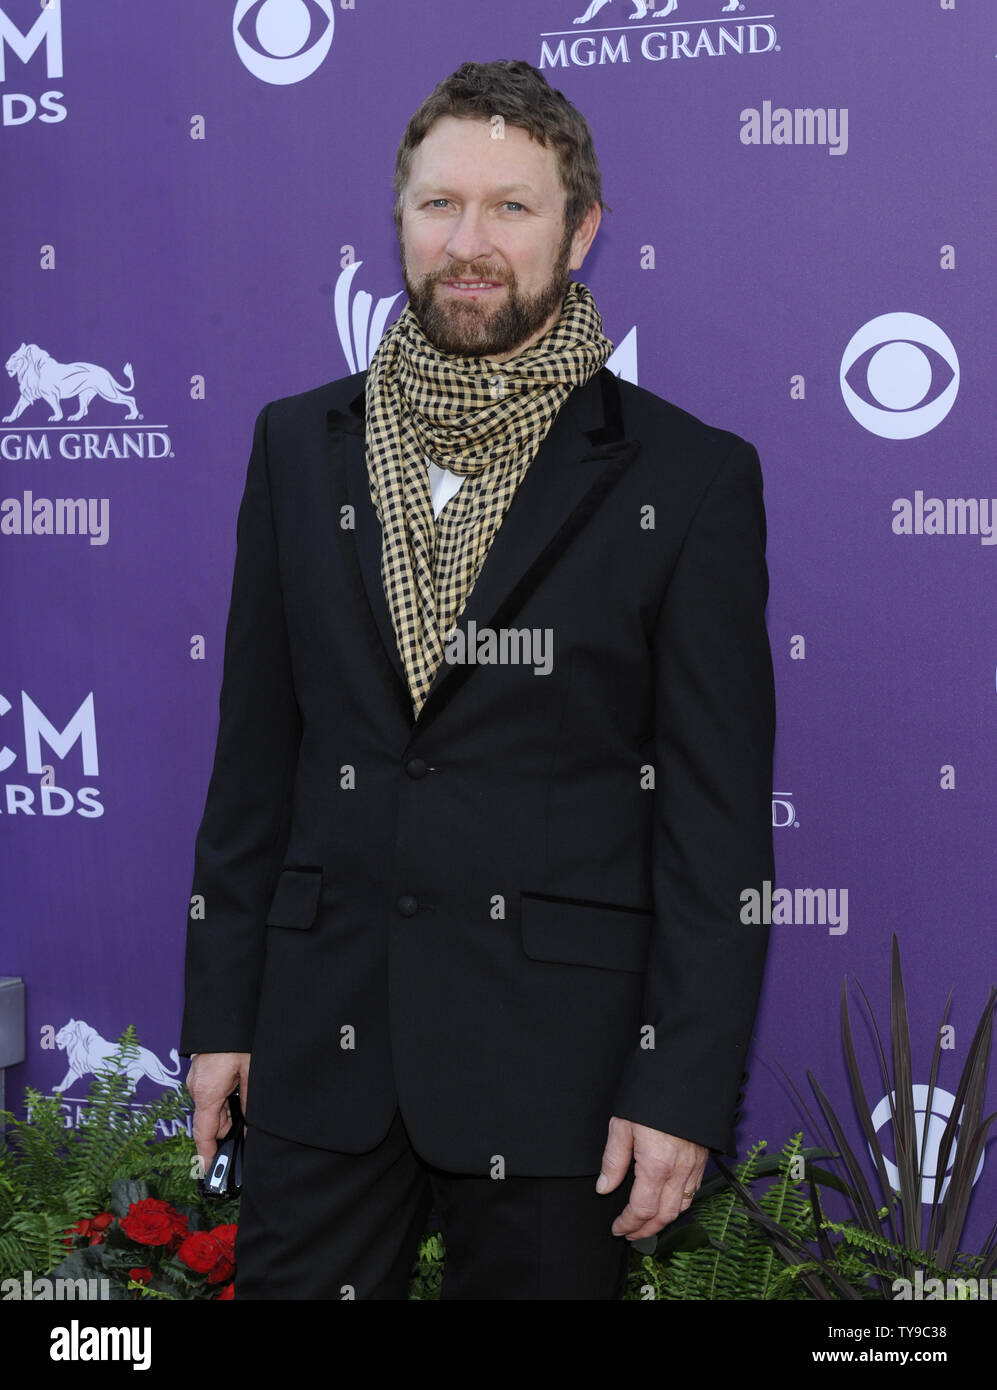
(416, 768)
(407, 906)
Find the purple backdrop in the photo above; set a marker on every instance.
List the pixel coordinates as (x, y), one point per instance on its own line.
(203, 193)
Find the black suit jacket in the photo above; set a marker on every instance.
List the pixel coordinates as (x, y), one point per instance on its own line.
(519, 914)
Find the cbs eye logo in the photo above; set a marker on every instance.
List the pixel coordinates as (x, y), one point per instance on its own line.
(942, 1105)
(282, 41)
(901, 358)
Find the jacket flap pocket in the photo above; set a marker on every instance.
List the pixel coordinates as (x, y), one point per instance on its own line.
(295, 903)
(574, 933)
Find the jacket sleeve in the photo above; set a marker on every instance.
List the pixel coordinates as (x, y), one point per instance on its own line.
(244, 830)
(714, 733)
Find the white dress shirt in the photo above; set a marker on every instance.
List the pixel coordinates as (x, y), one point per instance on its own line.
(442, 485)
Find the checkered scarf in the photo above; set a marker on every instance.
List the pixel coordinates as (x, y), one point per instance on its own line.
(474, 416)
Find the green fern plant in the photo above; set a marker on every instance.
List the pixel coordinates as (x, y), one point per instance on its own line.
(51, 1176)
(719, 1253)
(427, 1274)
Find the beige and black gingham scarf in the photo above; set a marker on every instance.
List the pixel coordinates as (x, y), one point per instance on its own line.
(474, 416)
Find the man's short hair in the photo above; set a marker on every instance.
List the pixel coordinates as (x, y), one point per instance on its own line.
(521, 95)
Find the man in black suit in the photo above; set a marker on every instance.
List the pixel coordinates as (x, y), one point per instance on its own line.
(493, 766)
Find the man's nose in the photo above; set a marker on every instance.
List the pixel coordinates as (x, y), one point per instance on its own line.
(469, 239)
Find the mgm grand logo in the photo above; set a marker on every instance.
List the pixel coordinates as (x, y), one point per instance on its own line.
(41, 379)
(621, 37)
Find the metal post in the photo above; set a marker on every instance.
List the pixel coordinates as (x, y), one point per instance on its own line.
(12, 1028)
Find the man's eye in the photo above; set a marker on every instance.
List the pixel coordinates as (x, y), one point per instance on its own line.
(440, 203)
(517, 207)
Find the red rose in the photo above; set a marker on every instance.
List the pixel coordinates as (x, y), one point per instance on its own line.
(200, 1252)
(179, 1226)
(148, 1222)
(227, 1292)
(99, 1225)
(225, 1236)
(142, 1274)
(221, 1271)
(82, 1228)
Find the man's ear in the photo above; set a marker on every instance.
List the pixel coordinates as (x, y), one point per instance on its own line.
(584, 236)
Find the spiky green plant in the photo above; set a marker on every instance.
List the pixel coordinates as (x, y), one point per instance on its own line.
(890, 1235)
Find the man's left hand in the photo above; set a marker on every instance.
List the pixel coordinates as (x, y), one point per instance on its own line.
(667, 1170)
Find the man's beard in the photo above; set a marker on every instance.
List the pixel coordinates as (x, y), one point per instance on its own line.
(468, 330)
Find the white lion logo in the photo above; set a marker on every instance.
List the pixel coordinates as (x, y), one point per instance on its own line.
(41, 377)
(643, 9)
(87, 1051)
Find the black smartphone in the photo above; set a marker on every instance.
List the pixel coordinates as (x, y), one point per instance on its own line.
(224, 1177)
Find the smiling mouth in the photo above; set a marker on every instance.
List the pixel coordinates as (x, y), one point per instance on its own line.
(470, 285)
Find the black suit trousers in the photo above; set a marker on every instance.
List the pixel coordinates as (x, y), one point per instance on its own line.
(317, 1224)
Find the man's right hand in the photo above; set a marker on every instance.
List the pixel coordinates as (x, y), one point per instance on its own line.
(213, 1076)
